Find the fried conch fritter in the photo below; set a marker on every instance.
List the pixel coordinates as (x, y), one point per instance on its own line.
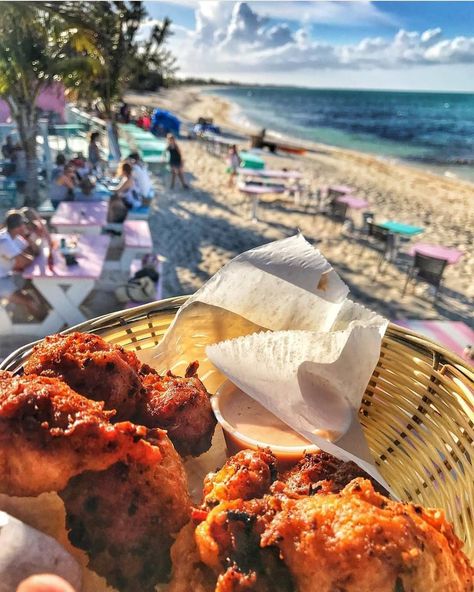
(108, 373)
(91, 367)
(344, 536)
(125, 517)
(180, 405)
(49, 433)
(123, 485)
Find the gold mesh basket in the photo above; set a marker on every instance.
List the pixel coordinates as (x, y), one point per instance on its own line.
(417, 412)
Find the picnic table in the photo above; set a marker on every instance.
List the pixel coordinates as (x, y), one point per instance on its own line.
(448, 254)
(80, 216)
(270, 173)
(339, 189)
(65, 287)
(400, 228)
(255, 191)
(353, 202)
(454, 335)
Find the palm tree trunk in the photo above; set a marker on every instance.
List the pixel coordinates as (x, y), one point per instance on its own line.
(27, 122)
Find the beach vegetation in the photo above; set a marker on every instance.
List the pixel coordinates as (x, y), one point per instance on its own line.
(37, 49)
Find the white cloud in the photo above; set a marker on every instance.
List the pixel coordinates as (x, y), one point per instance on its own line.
(234, 37)
(333, 12)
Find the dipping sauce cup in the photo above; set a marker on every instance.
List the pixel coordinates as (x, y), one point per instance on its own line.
(247, 424)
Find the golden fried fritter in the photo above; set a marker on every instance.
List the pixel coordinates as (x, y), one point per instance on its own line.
(91, 367)
(321, 472)
(355, 540)
(359, 541)
(182, 407)
(49, 433)
(246, 475)
(125, 517)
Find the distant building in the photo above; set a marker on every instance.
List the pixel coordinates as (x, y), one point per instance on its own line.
(51, 101)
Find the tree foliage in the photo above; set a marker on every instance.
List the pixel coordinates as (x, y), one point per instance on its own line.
(92, 47)
(36, 49)
(123, 58)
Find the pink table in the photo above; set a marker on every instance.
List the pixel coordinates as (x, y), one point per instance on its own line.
(137, 242)
(353, 202)
(80, 216)
(269, 173)
(437, 251)
(66, 287)
(343, 189)
(255, 191)
(454, 335)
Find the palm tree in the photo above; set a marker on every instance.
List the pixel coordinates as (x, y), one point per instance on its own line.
(153, 65)
(36, 50)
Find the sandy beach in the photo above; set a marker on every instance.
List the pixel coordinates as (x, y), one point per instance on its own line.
(200, 230)
(197, 231)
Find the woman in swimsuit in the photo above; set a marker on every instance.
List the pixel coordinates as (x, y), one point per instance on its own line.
(176, 162)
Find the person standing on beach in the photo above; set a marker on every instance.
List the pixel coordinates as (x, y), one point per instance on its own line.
(93, 155)
(233, 162)
(176, 162)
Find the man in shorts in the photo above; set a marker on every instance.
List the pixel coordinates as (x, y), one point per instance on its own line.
(16, 253)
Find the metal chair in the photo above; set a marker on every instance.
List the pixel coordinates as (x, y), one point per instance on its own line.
(385, 239)
(427, 269)
(338, 211)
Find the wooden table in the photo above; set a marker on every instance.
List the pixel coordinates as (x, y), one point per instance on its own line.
(353, 202)
(255, 191)
(448, 254)
(270, 173)
(65, 287)
(400, 228)
(339, 190)
(80, 216)
(137, 241)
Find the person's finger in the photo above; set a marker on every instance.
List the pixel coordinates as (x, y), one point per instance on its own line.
(45, 583)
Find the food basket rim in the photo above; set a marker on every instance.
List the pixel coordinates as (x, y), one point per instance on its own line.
(123, 318)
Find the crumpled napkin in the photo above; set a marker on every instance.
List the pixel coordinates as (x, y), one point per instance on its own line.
(277, 322)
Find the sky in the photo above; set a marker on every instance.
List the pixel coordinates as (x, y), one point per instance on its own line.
(325, 44)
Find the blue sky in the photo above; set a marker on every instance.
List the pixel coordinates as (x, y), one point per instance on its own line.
(340, 44)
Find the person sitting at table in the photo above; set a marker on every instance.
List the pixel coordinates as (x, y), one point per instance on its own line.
(37, 232)
(58, 170)
(17, 251)
(125, 197)
(141, 177)
(8, 149)
(62, 188)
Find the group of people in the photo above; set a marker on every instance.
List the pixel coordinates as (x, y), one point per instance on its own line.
(134, 190)
(14, 165)
(20, 242)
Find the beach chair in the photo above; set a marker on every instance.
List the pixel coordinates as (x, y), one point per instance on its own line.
(383, 240)
(427, 269)
(338, 211)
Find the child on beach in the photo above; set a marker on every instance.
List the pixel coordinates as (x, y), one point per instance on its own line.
(233, 161)
(176, 162)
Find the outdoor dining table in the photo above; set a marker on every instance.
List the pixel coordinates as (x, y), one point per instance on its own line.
(66, 287)
(339, 189)
(448, 254)
(353, 202)
(80, 216)
(270, 173)
(400, 228)
(255, 191)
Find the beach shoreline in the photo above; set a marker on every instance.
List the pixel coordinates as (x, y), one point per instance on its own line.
(192, 102)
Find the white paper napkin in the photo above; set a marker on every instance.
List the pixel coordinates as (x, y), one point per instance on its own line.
(277, 322)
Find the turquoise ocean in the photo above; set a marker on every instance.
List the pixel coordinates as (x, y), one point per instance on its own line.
(431, 130)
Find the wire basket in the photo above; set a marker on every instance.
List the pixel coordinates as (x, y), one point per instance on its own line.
(417, 412)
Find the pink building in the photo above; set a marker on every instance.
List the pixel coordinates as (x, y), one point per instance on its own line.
(51, 99)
